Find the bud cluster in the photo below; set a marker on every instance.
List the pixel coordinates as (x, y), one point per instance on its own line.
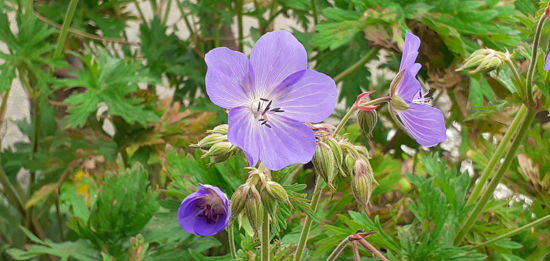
(357, 165)
(216, 145)
(259, 193)
(484, 60)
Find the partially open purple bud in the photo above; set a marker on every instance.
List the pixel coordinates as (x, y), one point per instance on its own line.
(205, 212)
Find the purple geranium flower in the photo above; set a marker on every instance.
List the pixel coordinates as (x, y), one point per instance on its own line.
(205, 212)
(547, 65)
(269, 98)
(423, 122)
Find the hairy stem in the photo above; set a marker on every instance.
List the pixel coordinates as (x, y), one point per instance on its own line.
(314, 9)
(265, 236)
(533, 62)
(338, 250)
(372, 249)
(65, 28)
(307, 224)
(231, 238)
(369, 56)
(353, 109)
(517, 78)
(488, 194)
(499, 152)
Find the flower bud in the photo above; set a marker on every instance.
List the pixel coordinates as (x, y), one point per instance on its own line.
(336, 150)
(238, 200)
(221, 129)
(367, 121)
(277, 192)
(220, 152)
(362, 183)
(348, 165)
(324, 163)
(210, 140)
(254, 209)
(484, 60)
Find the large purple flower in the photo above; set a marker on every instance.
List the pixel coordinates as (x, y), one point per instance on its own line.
(205, 212)
(423, 122)
(269, 98)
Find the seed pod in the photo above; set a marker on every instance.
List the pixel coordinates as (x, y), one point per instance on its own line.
(277, 191)
(221, 129)
(238, 200)
(254, 209)
(362, 183)
(324, 163)
(367, 121)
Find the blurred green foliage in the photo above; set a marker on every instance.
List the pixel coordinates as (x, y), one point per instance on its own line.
(106, 160)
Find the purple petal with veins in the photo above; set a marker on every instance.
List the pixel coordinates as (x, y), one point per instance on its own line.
(205, 212)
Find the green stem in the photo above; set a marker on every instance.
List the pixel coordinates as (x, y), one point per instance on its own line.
(369, 56)
(185, 19)
(533, 63)
(353, 109)
(265, 236)
(166, 12)
(140, 12)
(240, 23)
(517, 77)
(307, 226)
(516, 231)
(488, 194)
(65, 29)
(338, 250)
(314, 9)
(11, 193)
(499, 152)
(231, 238)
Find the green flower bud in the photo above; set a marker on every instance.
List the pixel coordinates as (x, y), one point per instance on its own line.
(484, 60)
(221, 129)
(254, 209)
(277, 192)
(348, 165)
(398, 103)
(362, 183)
(336, 150)
(220, 152)
(211, 140)
(238, 200)
(324, 163)
(367, 121)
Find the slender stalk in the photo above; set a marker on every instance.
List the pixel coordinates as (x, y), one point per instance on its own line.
(499, 152)
(11, 193)
(231, 238)
(240, 23)
(533, 63)
(185, 19)
(517, 78)
(166, 12)
(353, 109)
(372, 249)
(307, 225)
(515, 231)
(338, 250)
(65, 28)
(356, 251)
(59, 219)
(140, 12)
(369, 56)
(488, 194)
(314, 9)
(265, 236)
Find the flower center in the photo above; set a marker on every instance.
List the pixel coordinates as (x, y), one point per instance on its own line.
(422, 100)
(212, 208)
(264, 108)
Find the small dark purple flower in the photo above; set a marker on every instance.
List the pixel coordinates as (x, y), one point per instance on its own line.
(423, 122)
(205, 212)
(270, 96)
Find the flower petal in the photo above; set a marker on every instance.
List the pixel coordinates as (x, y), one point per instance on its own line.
(188, 213)
(227, 82)
(425, 123)
(410, 52)
(275, 56)
(286, 142)
(306, 96)
(409, 88)
(547, 65)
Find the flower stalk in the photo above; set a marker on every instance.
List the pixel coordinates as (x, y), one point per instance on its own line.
(265, 236)
(231, 239)
(307, 224)
(354, 109)
(525, 121)
(515, 231)
(533, 63)
(354, 67)
(338, 250)
(65, 29)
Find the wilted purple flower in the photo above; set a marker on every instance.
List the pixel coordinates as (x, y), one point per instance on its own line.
(269, 98)
(423, 122)
(205, 212)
